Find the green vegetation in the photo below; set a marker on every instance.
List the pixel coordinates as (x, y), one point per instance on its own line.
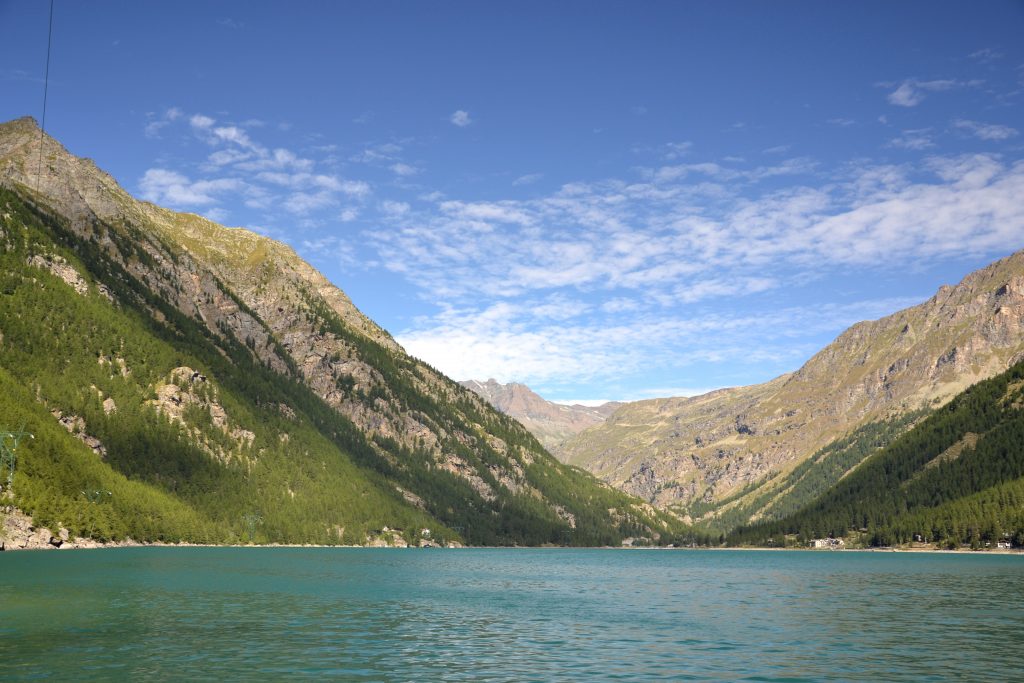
(955, 479)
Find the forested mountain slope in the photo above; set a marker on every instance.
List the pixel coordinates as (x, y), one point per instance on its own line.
(956, 478)
(207, 377)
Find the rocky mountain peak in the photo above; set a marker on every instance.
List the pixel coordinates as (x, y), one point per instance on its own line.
(552, 423)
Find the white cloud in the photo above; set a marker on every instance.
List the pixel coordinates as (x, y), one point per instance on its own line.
(392, 208)
(266, 179)
(217, 214)
(917, 140)
(233, 134)
(912, 92)
(674, 242)
(621, 304)
(302, 203)
(587, 402)
(506, 342)
(200, 121)
(225, 157)
(461, 118)
(156, 125)
(674, 150)
(986, 131)
(355, 188)
(264, 159)
(906, 96)
(303, 180)
(717, 287)
(527, 179)
(162, 186)
(986, 55)
(401, 169)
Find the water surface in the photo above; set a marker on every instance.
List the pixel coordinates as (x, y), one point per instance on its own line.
(239, 614)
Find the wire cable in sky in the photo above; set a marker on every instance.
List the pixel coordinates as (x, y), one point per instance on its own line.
(46, 88)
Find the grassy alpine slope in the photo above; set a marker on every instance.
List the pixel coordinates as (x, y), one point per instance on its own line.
(202, 374)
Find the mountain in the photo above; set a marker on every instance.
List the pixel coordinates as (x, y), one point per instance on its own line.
(187, 381)
(737, 452)
(551, 423)
(955, 479)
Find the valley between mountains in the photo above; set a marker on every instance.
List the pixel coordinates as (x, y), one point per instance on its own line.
(188, 382)
(744, 454)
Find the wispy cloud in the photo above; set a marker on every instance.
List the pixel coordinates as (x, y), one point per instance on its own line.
(600, 278)
(200, 121)
(158, 123)
(265, 178)
(393, 209)
(402, 169)
(675, 150)
(460, 118)
(506, 342)
(986, 55)
(986, 131)
(169, 187)
(527, 179)
(917, 139)
(912, 91)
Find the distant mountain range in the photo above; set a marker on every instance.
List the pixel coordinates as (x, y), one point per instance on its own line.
(738, 449)
(551, 423)
(187, 381)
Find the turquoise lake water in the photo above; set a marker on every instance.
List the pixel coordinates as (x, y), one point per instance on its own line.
(239, 614)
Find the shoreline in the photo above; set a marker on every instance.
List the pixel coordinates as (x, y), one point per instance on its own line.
(91, 544)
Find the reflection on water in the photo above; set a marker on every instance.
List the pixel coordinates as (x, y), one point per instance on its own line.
(241, 613)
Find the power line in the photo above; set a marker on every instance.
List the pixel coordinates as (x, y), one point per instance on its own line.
(46, 88)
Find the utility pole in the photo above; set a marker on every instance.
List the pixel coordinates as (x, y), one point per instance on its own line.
(252, 520)
(8, 451)
(97, 495)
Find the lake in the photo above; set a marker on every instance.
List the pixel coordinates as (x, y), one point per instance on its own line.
(238, 614)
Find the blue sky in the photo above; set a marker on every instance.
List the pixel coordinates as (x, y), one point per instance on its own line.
(601, 200)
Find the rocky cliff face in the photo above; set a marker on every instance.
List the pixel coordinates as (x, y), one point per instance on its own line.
(679, 450)
(551, 423)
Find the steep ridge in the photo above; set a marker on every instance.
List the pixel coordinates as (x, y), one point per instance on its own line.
(551, 423)
(257, 374)
(695, 454)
